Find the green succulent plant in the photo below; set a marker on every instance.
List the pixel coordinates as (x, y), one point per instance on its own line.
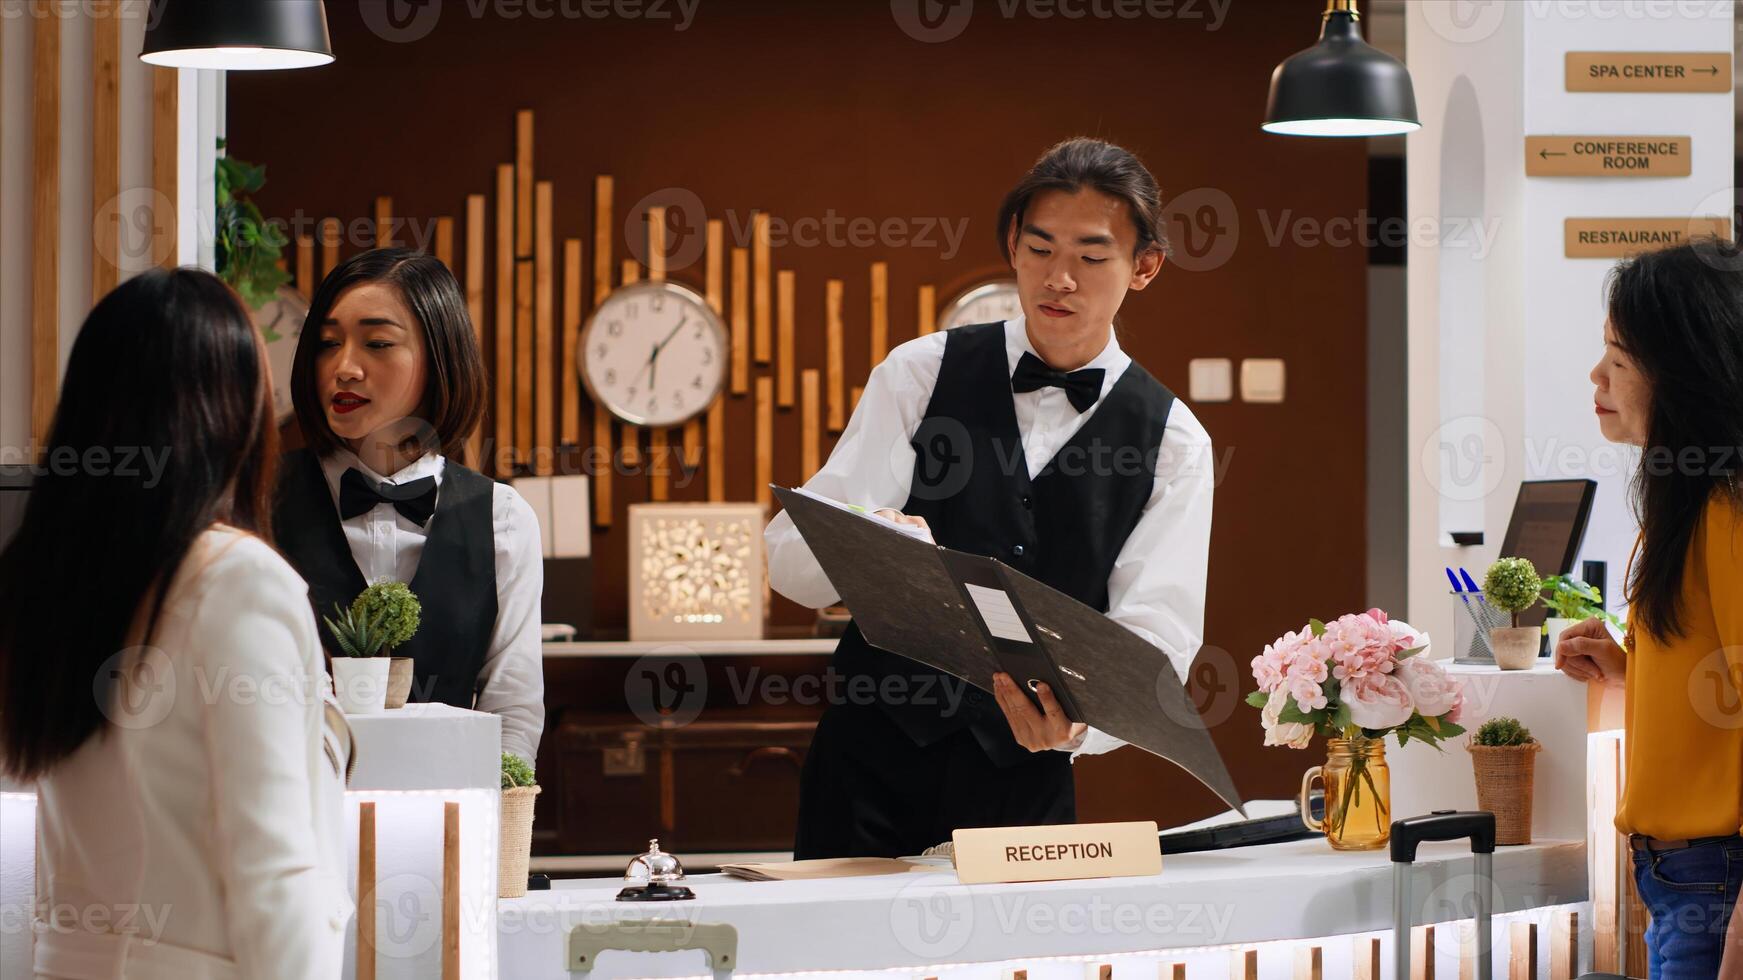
(1512, 585)
(358, 634)
(394, 607)
(1503, 732)
(516, 772)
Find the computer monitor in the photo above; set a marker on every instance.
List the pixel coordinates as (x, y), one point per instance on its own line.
(1548, 525)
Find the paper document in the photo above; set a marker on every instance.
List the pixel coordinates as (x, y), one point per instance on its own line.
(821, 868)
(912, 531)
(998, 613)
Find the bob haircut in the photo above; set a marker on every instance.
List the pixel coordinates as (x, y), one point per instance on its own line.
(454, 386)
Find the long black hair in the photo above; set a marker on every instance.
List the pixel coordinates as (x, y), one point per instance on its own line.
(1678, 314)
(454, 389)
(164, 427)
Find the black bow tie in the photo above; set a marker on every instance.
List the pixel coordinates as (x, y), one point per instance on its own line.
(359, 495)
(1082, 387)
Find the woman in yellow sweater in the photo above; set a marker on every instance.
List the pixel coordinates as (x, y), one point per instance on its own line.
(1671, 382)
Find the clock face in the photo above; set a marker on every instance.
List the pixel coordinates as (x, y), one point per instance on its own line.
(988, 302)
(654, 353)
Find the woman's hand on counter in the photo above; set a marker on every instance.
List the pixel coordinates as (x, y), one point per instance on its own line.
(1036, 730)
(1586, 652)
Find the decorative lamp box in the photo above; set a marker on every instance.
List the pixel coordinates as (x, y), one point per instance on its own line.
(696, 571)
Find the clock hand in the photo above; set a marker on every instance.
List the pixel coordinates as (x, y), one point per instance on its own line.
(652, 367)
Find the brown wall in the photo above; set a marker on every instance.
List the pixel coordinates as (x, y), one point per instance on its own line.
(805, 109)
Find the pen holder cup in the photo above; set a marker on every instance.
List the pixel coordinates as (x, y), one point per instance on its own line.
(1473, 618)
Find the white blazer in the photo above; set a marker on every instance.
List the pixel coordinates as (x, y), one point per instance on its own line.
(200, 837)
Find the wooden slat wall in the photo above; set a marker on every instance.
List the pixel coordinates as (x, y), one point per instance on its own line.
(545, 405)
(164, 99)
(570, 365)
(105, 151)
(740, 321)
(659, 459)
(384, 222)
(836, 365)
(474, 285)
(45, 229)
(329, 245)
(759, 239)
(523, 287)
(502, 453)
(602, 436)
(785, 355)
(445, 242)
(880, 312)
(715, 293)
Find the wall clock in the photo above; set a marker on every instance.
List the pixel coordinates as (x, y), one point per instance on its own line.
(988, 302)
(654, 354)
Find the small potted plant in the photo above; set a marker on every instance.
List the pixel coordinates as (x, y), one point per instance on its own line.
(400, 613)
(1512, 585)
(1504, 760)
(518, 791)
(359, 676)
(382, 617)
(1571, 600)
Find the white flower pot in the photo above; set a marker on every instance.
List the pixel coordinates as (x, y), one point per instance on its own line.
(1553, 626)
(361, 684)
(1515, 646)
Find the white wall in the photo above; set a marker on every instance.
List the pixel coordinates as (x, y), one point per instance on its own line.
(1521, 409)
(199, 108)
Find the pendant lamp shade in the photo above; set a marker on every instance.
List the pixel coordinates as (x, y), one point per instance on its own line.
(1341, 86)
(237, 35)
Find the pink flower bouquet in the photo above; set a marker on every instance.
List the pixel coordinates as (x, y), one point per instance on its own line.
(1359, 676)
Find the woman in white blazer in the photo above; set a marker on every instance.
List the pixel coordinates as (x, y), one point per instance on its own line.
(161, 678)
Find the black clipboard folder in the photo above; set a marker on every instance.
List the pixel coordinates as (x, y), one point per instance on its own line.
(924, 602)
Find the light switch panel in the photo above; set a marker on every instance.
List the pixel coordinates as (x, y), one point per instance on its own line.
(1211, 379)
(536, 491)
(571, 536)
(1262, 379)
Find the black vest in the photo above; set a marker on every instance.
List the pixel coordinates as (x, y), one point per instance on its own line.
(1065, 527)
(455, 582)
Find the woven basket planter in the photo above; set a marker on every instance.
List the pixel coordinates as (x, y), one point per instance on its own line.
(1504, 776)
(517, 841)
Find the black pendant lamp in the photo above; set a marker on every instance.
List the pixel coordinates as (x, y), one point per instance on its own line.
(237, 35)
(1341, 86)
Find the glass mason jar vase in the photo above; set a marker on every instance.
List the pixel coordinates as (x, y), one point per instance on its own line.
(1358, 795)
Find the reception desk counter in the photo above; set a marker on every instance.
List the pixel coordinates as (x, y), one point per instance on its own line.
(1200, 911)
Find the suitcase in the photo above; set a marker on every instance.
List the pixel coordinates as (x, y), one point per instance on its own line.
(1479, 827)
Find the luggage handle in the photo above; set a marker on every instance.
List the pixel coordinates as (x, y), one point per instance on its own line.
(718, 941)
(1478, 825)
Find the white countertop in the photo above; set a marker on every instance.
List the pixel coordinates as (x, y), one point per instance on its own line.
(925, 918)
(426, 746)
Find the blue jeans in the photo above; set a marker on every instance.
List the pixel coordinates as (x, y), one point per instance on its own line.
(1690, 894)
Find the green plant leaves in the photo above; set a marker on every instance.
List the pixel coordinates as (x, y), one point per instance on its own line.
(246, 248)
(516, 772)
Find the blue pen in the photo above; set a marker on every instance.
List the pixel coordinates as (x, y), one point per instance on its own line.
(1454, 579)
(1471, 586)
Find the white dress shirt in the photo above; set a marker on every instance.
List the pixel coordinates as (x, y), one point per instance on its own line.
(387, 545)
(201, 834)
(1156, 588)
